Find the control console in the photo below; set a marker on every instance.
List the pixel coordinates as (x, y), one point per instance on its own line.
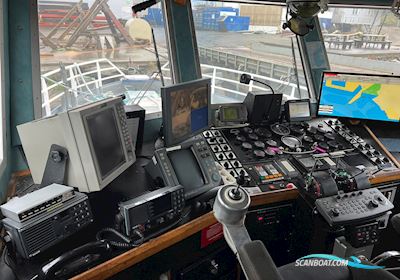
(353, 207)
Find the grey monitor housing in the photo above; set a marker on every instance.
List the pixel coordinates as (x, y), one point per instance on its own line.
(96, 137)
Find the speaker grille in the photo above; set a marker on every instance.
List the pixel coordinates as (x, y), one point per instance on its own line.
(39, 237)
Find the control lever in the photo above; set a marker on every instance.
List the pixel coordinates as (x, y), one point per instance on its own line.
(230, 208)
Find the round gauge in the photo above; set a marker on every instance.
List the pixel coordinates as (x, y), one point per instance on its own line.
(253, 137)
(272, 143)
(259, 145)
(280, 129)
(308, 139)
(259, 154)
(263, 132)
(247, 146)
(234, 131)
(291, 142)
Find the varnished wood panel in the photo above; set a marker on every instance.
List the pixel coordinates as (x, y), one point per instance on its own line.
(131, 257)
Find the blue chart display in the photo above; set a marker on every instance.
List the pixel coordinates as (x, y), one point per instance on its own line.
(360, 97)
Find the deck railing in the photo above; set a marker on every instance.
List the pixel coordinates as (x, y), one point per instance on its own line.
(61, 86)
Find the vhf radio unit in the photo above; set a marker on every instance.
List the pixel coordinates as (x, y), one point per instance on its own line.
(152, 211)
(49, 228)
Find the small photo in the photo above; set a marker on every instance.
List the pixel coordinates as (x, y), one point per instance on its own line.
(199, 98)
(180, 110)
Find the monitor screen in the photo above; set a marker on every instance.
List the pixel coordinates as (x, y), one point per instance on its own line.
(106, 141)
(187, 169)
(230, 113)
(371, 97)
(299, 110)
(185, 110)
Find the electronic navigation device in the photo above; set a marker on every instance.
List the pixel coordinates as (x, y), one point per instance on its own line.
(360, 96)
(153, 210)
(298, 110)
(191, 165)
(230, 114)
(186, 110)
(96, 137)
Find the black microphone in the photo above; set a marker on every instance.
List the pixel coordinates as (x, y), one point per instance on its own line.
(143, 6)
(246, 78)
(395, 220)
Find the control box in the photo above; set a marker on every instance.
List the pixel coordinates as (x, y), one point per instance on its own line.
(45, 230)
(153, 210)
(353, 207)
(363, 235)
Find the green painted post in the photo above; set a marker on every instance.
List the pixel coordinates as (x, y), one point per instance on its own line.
(181, 40)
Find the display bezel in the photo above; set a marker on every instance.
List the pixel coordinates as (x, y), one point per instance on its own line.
(299, 119)
(352, 74)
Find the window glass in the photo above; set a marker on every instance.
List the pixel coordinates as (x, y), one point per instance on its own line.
(362, 40)
(91, 49)
(241, 38)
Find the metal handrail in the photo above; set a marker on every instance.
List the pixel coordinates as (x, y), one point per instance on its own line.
(78, 80)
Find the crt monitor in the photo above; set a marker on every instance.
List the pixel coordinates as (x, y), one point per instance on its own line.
(186, 110)
(360, 96)
(97, 140)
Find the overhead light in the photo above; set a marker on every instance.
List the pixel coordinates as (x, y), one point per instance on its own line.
(300, 13)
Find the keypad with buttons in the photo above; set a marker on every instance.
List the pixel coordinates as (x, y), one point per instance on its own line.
(352, 207)
(223, 153)
(363, 235)
(125, 132)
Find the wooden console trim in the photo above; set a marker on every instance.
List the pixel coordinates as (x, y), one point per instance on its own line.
(134, 256)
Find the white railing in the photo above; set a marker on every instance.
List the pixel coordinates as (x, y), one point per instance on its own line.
(218, 74)
(74, 81)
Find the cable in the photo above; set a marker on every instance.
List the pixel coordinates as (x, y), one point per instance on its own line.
(126, 242)
(5, 257)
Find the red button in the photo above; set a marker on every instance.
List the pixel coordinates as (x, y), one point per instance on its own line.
(260, 218)
(290, 186)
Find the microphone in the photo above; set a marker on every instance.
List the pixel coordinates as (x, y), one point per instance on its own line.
(246, 78)
(143, 6)
(395, 220)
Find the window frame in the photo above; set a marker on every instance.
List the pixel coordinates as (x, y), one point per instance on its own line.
(3, 126)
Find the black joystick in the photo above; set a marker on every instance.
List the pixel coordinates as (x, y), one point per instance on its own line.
(235, 194)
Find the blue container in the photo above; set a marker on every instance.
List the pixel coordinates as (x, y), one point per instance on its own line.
(234, 23)
(154, 16)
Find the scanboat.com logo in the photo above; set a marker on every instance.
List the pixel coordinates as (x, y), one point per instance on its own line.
(329, 260)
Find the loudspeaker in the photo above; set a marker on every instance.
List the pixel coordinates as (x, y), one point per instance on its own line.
(263, 107)
(135, 116)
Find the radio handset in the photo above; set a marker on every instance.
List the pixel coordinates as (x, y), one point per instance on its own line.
(76, 260)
